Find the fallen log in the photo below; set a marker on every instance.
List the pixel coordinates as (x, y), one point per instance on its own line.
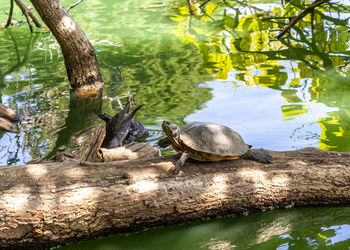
(50, 204)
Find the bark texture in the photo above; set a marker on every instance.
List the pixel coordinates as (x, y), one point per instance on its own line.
(43, 205)
(79, 56)
(7, 116)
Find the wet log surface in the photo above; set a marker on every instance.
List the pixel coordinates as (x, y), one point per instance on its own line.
(49, 204)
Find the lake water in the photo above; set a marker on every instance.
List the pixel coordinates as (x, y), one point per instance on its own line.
(222, 65)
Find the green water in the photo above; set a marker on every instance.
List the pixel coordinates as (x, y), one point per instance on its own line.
(299, 228)
(222, 65)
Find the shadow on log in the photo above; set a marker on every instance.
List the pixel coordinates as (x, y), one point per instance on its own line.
(49, 204)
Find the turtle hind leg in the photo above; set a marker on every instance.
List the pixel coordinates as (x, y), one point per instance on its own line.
(179, 163)
(259, 155)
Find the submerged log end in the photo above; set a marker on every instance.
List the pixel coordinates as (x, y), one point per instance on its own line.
(88, 90)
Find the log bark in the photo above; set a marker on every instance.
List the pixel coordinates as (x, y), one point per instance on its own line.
(7, 116)
(79, 56)
(44, 205)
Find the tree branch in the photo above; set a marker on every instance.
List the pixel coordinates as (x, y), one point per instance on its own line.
(8, 23)
(301, 15)
(27, 13)
(73, 5)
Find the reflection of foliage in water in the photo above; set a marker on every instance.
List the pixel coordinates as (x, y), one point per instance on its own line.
(165, 78)
(243, 45)
(159, 72)
(32, 82)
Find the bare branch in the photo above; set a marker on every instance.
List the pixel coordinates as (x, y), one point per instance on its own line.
(35, 19)
(27, 13)
(8, 23)
(301, 15)
(73, 5)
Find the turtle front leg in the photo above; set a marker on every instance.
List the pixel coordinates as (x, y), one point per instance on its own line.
(179, 163)
(259, 155)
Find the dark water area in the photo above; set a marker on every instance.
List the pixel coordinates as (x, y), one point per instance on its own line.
(297, 228)
(221, 65)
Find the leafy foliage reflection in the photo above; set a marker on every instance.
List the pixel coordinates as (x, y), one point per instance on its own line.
(239, 43)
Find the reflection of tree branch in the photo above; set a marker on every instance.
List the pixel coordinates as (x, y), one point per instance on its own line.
(8, 23)
(337, 7)
(73, 5)
(121, 75)
(344, 65)
(301, 15)
(229, 31)
(15, 46)
(81, 117)
(277, 17)
(27, 54)
(244, 3)
(190, 7)
(312, 45)
(202, 5)
(26, 57)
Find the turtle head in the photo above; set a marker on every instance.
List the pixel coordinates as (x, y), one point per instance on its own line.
(172, 131)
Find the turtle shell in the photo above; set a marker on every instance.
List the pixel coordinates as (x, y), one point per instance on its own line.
(209, 141)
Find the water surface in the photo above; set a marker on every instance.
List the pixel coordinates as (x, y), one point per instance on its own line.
(221, 65)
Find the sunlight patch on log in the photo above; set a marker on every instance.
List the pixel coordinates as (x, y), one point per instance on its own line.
(75, 173)
(260, 179)
(166, 165)
(218, 187)
(37, 170)
(144, 186)
(79, 195)
(15, 199)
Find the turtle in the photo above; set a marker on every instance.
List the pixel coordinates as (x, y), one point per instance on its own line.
(205, 141)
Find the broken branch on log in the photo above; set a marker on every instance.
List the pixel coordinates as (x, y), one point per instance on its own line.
(51, 204)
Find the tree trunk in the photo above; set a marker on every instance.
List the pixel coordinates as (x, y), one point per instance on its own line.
(44, 205)
(79, 56)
